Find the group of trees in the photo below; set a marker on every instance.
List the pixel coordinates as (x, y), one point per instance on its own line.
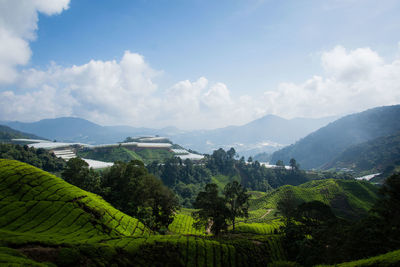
(39, 158)
(312, 234)
(129, 187)
(185, 178)
(215, 210)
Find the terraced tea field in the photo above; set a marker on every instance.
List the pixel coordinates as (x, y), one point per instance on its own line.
(183, 224)
(347, 198)
(43, 218)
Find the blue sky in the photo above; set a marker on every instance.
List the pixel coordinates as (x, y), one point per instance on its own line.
(223, 62)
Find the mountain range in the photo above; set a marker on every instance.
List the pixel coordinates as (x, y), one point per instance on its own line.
(266, 134)
(319, 148)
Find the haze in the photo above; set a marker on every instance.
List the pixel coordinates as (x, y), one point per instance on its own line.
(196, 64)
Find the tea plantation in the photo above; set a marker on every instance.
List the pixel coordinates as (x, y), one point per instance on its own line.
(44, 220)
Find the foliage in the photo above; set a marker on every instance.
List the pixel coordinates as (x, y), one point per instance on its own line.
(185, 178)
(7, 133)
(78, 173)
(37, 206)
(130, 188)
(372, 156)
(236, 199)
(212, 211)
(40, 158)
(314, 235)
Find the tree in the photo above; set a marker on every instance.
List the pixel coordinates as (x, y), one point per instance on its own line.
(130, 188)
(294, 165)
(287, 205)
(237, 201)
(212, 212)
(78, 173)
(280, 164)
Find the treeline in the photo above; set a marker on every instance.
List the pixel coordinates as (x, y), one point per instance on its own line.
(313, 235)
(39, 158)
(187, 179)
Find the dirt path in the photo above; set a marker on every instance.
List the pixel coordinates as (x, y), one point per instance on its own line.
(265, 214)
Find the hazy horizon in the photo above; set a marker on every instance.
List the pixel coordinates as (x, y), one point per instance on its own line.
(196, 64)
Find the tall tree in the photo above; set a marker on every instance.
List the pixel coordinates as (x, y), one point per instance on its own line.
(294, 165)
(212, 212)
(236, 199)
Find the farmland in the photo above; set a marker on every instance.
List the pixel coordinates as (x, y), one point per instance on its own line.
(41, 212)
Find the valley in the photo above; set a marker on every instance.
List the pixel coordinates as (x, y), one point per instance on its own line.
(84, 218)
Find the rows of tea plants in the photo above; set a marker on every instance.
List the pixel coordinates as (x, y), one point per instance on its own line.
(259, 228)
(37, 205)
(183, 224)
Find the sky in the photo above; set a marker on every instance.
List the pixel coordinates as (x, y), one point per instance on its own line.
(196, 64)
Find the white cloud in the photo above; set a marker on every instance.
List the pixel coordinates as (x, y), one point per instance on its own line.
(353, 81)
(124, 91)
(18, 24)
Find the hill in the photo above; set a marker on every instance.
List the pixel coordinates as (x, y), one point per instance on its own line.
(372, 156)
(70, 129)
(322, 146)
(7, 133)
(347, 198)
(45, 219)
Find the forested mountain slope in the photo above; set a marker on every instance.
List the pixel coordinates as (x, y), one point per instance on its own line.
(373, 156)
(7, 133)
(323, 145)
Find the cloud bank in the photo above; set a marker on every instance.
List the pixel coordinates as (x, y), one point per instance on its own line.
(124, 91)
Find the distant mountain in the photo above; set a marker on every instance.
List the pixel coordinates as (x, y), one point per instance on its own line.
(70, 129)
(325, 144)
(266, 134)
(6, 134)
(374, 156)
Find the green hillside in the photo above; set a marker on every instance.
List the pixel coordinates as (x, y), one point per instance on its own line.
(391, 259)
(324, 145)
(112, 154)
(109, 154)
(372, 156)
(45, 219)
(7, 133)
(347, 198)
(36, 205)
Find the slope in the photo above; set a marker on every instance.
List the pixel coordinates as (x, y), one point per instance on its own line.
(372, 156)
(7, 133)
(347, 198)
(45, 219)
(71, 129)
(323, 145)
(35, 205)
